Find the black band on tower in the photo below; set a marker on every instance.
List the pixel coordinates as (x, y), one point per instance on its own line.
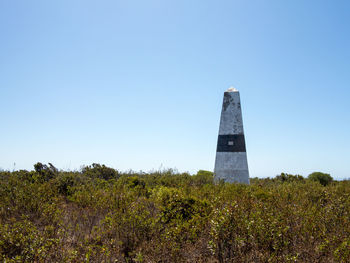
(231, 143)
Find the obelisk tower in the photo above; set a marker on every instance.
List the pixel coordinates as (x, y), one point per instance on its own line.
(231, 163)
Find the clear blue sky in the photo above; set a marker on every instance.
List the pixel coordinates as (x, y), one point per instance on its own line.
(139, 84)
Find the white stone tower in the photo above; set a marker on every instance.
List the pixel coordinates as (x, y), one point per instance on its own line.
(231, 163)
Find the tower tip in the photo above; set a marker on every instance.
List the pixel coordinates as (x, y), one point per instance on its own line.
(232, 89)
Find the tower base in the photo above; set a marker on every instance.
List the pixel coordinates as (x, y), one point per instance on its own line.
(231, 167)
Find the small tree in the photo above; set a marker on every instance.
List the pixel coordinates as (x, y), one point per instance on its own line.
(45, 172)
(320, 177)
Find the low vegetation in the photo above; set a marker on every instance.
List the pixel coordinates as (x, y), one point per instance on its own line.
(100, 214)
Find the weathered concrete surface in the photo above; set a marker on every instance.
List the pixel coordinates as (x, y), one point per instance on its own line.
(231, 167)
(231, 163)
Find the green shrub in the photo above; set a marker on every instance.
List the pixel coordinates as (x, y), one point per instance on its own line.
(101, 215)
(66, 182)
(45, 172)
(322, 178)
(284, 177)
(203, 177)
(22, 242)
(100, 171)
